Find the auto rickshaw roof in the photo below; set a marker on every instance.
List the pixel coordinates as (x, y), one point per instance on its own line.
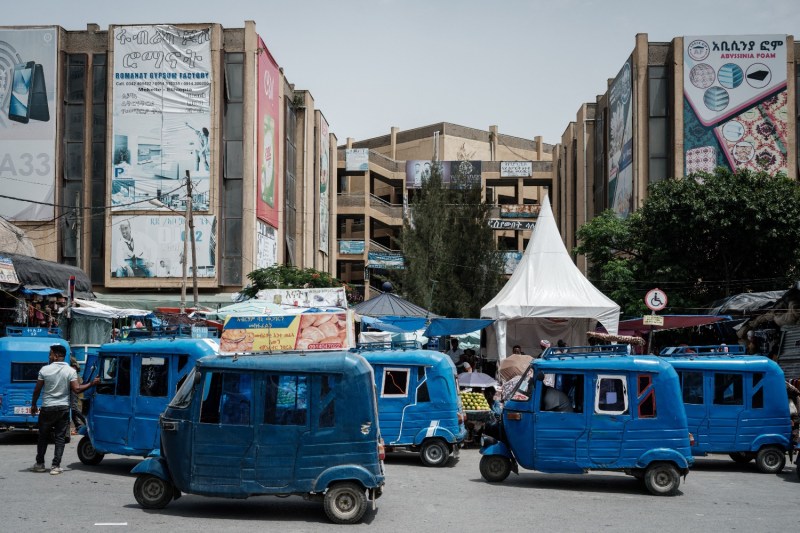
(322, 362)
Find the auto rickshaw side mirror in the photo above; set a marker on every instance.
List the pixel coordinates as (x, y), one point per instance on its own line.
(540, 376)
(197, 377)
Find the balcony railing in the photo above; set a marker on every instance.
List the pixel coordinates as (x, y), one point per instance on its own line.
(389, 210)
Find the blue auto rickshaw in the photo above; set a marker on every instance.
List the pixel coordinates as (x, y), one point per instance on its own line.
(735, 404)
(593, 408)
(248, 425)
(418, 403)
(137, 379)
(23, 352)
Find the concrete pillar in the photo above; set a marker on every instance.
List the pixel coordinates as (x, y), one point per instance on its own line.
(349, 143)
(393, 135)
(539, 147)
(493, 143)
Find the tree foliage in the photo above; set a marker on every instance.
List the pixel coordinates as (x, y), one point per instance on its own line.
(291, 277)
(452, 267)
(698, 238)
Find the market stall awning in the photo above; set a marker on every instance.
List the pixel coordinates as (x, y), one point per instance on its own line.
(636, 325)
(455, 326)
(394, 324)
(388, 304)
(37, 274)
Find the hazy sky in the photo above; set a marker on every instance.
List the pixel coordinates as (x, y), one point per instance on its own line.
(525, 66)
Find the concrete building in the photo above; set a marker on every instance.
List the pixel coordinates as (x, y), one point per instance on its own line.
(376, 180)
(676, 108)
(117, 118)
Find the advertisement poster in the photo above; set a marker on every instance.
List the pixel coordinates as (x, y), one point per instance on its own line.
(267, 243)
(305, 331)
(8, 274)
(735, 103)
(516, 169)
(351, 247)
(620, 135)
(519, 210)
(28, 85)
(323, 297)
(161, 117)
(151, 246)
(511, 224)
(419, 170)
(268, 129)
(386, 261)
(324, 192)
(356, 159)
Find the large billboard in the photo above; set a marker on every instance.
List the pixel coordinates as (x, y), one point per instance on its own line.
(268, 128)
(306, 332)
(620, 135)
(324, 185)
(151, 246)
(161, 117)
(28, 85)
(455, 174)
(735, 103)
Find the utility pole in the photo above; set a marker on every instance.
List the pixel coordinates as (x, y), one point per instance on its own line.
(190, 219)
(187, 216)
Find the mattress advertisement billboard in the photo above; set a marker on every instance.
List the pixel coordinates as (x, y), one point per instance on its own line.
(735, 103)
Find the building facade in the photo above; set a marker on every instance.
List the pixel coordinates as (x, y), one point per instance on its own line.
(673, 109)
(378, 177)
(112, 136)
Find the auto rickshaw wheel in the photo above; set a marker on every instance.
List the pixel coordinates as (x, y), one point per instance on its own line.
(345, 503)
(662, 479)
(742, 457)
(152, 492)
(434, 453)
(495, 468)
(771, 460)
(87, 454)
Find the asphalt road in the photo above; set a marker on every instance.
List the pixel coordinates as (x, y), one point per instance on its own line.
(718, 495)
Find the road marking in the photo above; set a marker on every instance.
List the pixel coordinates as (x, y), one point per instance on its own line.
(111, 523)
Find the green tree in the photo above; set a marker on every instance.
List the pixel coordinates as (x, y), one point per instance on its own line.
(699, 238)
(291, 277)
(452, 267)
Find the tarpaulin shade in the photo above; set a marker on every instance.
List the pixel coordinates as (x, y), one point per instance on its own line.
(388, 304)
(455, 326)
(37, 274)
(394, 324)
(671, 322)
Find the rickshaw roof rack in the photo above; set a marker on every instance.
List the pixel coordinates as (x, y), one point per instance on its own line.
(715, 350)
(22, 331)
(162, 332)
(600, 350)
(393, 345)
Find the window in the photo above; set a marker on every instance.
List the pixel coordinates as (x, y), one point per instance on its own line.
(185, 389)
(286, 400)
(611, 395)
(226, 398)
(25, 372)
(692, 387)
(562, 393)
(395, 382)
(327, 401)
(646, 396)
(154, 376)
(422, 393)
(115, 376)
(758, 391)
(728, 389)
(658, 89)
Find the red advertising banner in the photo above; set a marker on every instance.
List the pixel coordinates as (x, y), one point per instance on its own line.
(267, 126)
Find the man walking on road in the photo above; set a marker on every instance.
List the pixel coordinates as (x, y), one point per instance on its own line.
(57, 380)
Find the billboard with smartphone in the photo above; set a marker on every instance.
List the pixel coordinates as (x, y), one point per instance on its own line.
(267, 128)
(161, 117)
(28, 85)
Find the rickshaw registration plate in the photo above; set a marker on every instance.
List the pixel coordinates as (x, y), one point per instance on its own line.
(22, 410)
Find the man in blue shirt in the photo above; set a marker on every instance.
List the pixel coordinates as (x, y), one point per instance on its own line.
(56, 380)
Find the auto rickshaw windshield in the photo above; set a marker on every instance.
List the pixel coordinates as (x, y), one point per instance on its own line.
(184, 395)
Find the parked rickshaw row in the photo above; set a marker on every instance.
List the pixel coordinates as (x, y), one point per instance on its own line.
(319, 424)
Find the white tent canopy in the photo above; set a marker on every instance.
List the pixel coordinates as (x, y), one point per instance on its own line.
(547, 297)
